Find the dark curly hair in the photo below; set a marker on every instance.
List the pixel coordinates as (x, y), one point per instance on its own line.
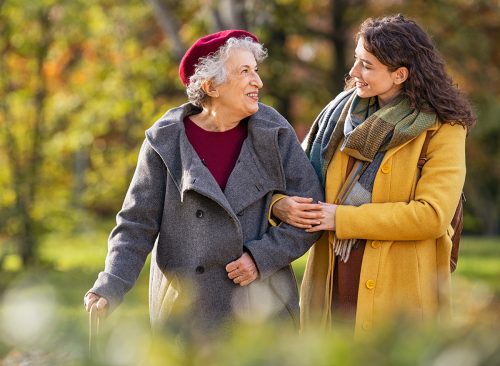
(397, 41)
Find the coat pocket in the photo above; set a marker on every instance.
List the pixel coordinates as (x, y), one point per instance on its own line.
(163, 293)
(284, 285)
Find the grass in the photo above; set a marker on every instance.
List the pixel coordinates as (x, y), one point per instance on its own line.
(479, 260)
(75, 261)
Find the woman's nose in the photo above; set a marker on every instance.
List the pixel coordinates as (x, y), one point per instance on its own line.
(256, 80)
(354, 70)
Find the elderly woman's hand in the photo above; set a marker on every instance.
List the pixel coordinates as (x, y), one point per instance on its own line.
(298, 211)
(242, 271)
(101, 303)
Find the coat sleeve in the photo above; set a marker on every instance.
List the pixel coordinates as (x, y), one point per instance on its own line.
(137, 226)
(428, 215)
(282, 244)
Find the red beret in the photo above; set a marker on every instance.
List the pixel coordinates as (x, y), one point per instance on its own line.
(205, 46)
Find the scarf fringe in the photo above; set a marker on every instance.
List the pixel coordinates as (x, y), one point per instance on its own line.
(343, 247)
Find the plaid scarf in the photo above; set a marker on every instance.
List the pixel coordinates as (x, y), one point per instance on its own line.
(366, 132)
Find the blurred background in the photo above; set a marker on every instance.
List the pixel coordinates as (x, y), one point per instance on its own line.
(80, 81)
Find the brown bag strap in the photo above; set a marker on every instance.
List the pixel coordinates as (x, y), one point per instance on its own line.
(458, 218)
(423, 153)
(458, 224)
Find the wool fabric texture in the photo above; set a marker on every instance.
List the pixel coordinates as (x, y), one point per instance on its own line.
(381, 130)
(175, 210)
(365, 131)
(204, 47)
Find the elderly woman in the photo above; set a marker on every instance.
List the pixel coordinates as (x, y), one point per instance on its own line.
(386, 246)
(205, 177)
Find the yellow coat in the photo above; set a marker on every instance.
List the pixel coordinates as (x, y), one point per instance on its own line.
(406, 262)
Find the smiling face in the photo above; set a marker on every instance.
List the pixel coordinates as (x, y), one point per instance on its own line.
(238, 96)
(374, 78)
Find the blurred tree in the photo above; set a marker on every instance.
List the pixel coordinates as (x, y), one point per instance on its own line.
(80, 81)
(169, 25)
(24, 95)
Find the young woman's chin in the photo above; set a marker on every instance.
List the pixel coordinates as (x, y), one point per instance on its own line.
(362, 92)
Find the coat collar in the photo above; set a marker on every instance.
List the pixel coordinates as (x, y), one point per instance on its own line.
(394, 150)
(257, 171)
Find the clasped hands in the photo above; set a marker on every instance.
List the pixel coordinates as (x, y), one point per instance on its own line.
(301, 212)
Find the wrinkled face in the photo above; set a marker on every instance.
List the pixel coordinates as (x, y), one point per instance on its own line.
(239, 94)
(372, 77)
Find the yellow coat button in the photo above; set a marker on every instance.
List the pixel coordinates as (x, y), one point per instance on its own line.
(386, 168)
(375, 244)
(370, 284)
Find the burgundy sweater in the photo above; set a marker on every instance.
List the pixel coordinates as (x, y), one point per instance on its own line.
(217, 150)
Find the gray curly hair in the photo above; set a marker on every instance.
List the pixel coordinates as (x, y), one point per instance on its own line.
(212, 67)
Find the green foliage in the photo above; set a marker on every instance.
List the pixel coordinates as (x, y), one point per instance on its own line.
(58, 333)
(479, 260)
(81, 81)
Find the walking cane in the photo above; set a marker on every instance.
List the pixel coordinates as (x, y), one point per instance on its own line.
(94, 325)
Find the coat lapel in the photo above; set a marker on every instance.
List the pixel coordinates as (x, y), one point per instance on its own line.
(257, 171)
(169, 140)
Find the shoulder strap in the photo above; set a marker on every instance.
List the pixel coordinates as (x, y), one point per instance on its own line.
(423, 153)
(356, 172)
(458, 218)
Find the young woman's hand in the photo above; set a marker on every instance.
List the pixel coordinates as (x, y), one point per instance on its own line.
(328, 211)
(298, 211)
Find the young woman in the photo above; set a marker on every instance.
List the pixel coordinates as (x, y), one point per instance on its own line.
(386, 246)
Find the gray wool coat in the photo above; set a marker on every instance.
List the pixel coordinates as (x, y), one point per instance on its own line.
(175, 208)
